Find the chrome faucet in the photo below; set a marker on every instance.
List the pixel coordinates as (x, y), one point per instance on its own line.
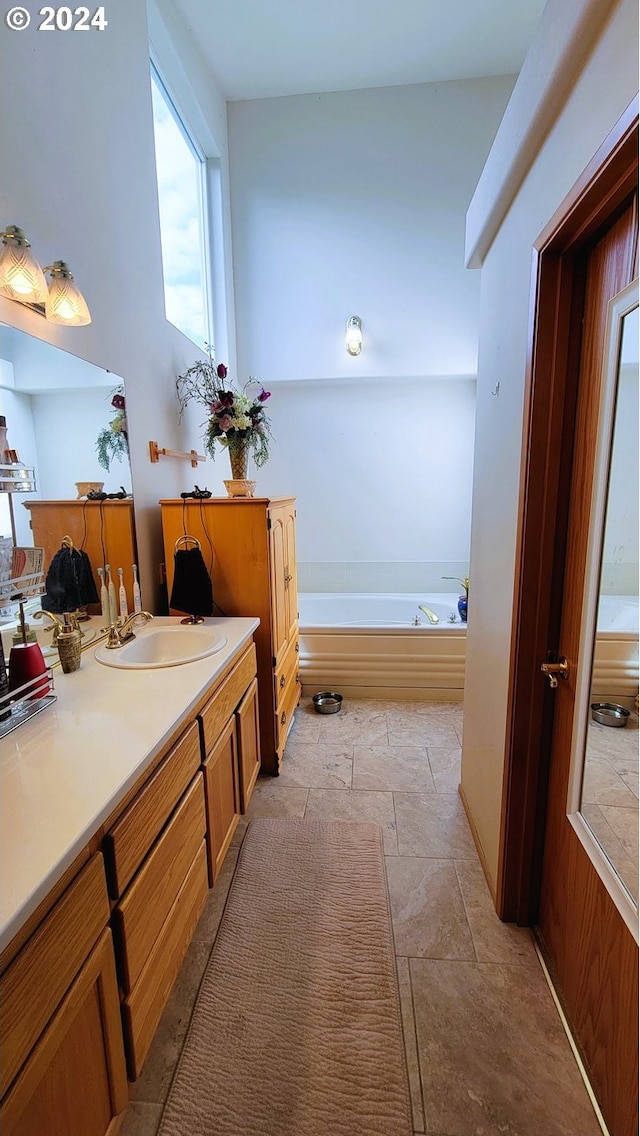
(120, 633)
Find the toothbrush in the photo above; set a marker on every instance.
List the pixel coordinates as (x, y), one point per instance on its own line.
(137, 598)
(113, 607)
(104, 597)
(122, 597)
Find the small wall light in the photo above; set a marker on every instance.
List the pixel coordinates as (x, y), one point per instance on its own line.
(353, 342)
(22, 279)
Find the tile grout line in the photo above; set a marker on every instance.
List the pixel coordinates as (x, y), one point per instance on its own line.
(466, 913)
(574, 1048)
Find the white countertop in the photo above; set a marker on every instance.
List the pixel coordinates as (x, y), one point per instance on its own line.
(63, 772)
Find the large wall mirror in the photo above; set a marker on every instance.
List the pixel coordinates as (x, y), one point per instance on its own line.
(606, 736)
(56, 407)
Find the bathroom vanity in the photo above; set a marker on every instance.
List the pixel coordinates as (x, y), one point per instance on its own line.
(120, 802)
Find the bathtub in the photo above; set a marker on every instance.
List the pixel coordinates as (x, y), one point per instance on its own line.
(366, 645)
(370, 645)
(615, 656)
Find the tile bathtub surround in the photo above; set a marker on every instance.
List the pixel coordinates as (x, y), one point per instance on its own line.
(486, 1052)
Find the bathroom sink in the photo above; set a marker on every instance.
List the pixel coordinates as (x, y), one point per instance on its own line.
(163, 647)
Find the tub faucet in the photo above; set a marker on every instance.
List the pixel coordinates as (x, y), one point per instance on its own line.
(120, 633)
(431, 615)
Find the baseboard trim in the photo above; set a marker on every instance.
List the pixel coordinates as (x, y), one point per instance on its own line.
(478, 843)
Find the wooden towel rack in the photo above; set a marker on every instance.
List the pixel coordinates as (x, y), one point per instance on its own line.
(155, 452)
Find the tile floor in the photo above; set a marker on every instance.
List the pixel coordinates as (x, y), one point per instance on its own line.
(486, 1052)
(610, 795)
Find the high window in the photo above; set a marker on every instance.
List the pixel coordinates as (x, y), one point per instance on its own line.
(181, 170)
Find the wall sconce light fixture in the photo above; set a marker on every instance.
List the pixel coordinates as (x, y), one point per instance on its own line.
(22, 279)
(353, 342)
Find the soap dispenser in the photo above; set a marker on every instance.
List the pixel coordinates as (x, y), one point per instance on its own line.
(68, 643)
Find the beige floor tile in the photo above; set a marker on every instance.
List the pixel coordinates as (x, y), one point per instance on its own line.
(209, 921)
(334, 804)
(494, 941)
(445, 767)
(270, 799)
(157, 1072)
(421, 730)
(626, 865)
(404, 768)
(429, 919)
(494, 1057)
(320, 766)
(354, 724)
(601, 784)
(306, 724)
(631, 780)
(141, 1119)
(433, 825)
(624, 822)
(410, 1043)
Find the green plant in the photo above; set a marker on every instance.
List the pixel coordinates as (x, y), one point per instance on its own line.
(112, 443)
(464, 581)
(232, 414)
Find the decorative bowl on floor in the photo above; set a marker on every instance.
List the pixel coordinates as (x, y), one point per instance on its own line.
(327, 702)
(240, 487)
(609, 714)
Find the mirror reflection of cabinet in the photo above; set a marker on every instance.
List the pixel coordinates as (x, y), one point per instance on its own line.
(607, 755)
(55, 406)
(103, 529)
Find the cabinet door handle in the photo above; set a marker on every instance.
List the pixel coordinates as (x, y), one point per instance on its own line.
(283, 718)
(282, 680)
(297, 648)
(298, 679)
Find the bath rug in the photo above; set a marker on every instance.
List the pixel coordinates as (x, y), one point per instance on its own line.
(296, 1030)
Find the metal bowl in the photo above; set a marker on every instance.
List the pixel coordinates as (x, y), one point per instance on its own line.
(609, 714)
(327, 702)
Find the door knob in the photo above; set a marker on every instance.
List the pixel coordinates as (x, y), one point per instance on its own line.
(554, 671)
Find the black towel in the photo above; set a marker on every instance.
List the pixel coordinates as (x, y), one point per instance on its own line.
(192, 591)
(69, 583)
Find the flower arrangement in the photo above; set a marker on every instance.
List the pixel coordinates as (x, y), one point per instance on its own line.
(236, 418)
(464, 582)
(112, 442)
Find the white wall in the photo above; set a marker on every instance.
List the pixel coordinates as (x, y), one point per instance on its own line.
(354, 203)
(79, 176)
(605, 85)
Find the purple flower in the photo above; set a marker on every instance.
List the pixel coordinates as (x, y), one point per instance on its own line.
(118, 401)
(221, 371)
(225, 422)
(264, 395)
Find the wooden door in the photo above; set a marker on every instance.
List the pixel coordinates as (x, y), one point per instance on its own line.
(290, 574)
(547, 873)
(591, 952)
(248, 733)
(75, 1079)
(278, 570)
(222, 794)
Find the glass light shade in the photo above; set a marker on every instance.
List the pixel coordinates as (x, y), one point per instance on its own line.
(21, 277)
(353, 341)
(65, 303)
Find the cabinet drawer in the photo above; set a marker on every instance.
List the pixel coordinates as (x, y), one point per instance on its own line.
(219, 709)
(142, 1009)
(38, 978)
(286, 709)
(282, 674)
(132, 836)
(139, 917)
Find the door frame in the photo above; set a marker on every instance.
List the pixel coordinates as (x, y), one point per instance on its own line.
(557, 292)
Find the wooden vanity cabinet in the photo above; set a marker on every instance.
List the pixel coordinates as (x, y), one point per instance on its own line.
(63, 1067)
(157, 867)
(229, 727)
(249, 546)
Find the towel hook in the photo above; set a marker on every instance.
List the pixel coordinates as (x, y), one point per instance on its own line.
(67, 542)
(186, 540)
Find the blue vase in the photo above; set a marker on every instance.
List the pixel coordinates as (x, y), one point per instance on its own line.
(462, 608)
